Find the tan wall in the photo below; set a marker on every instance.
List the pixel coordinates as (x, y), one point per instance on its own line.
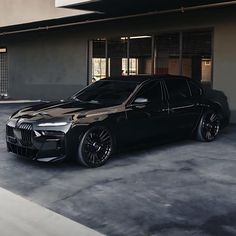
(225, 61)
(23, 11)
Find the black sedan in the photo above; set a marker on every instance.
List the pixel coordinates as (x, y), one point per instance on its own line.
(113, 113)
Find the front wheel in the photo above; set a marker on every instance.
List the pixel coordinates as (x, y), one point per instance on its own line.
(208, 127)
(95, 147)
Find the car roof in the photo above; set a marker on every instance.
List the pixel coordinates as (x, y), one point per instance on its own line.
(142, 78)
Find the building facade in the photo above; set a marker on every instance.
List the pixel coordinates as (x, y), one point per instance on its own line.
(53, 58)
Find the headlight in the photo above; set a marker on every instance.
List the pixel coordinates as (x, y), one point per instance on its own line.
(53, 124)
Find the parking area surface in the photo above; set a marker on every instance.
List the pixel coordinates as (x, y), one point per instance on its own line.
(178, 189)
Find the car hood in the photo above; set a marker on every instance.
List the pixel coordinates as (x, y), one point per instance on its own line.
(57, 109)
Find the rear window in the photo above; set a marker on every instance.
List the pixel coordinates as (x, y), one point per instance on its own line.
(178, 89)
(195, 90)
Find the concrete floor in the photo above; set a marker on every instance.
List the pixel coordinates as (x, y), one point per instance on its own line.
(179, 189)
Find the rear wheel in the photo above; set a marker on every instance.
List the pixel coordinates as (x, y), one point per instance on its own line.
(208, 127)
(95, 147)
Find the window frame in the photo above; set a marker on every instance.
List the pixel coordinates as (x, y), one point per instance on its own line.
(155, 35)
(193, 83)
(134, 97)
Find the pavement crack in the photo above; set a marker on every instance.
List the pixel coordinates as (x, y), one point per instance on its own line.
(103, 182)
(222, 182)
(217, 159)
(171, 225)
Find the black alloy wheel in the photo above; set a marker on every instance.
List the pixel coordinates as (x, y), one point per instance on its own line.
(95, 147)
(209, 127)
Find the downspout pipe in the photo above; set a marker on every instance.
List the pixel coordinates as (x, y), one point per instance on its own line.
(178, 10)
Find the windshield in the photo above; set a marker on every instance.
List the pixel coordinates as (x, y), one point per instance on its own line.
(106, 92)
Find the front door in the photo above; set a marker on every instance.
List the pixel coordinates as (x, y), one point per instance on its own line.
(146, 121)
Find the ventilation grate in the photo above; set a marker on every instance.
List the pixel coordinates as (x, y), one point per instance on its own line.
(3, 73)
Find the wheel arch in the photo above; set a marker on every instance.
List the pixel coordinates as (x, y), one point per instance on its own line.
(104, 125)
(217, 107)
(80, 157)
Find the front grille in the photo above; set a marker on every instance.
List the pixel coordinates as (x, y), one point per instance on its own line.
(22, 151)
(26, 134)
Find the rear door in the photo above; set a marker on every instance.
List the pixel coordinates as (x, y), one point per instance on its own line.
(182, 110)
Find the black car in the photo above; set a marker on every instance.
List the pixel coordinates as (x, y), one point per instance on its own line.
(113, 113)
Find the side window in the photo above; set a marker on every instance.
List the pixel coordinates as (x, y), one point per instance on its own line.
(195, 90)
(178, 89)
(151, 91)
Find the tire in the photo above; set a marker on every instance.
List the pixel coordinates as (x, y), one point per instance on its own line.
(209, 127)
(95, 148)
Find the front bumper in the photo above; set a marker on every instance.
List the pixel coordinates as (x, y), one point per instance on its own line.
(40, 145)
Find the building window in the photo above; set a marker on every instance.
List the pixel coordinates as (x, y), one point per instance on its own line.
(206, 70)
(168, 54)
(140, 53)
(3, 73)
(99, 60)
(99, 69)
(181, 53)
(133, 66)
(197, 56)
(117, 52)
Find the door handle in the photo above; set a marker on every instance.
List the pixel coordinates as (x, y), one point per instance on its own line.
(173, 109)
(164, 110)
(168, 110)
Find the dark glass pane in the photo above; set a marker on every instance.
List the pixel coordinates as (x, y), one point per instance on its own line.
(197, 55)
(177, 88)
(168, 53)
(117, 53)
(99, 60)
(107, 92)
(195, 90)
(140, 55)
(151, 91)
(99, 48)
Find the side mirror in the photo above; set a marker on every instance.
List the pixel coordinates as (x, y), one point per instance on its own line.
(140, 101)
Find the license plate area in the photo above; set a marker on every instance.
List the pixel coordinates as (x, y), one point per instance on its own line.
(12, 140)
